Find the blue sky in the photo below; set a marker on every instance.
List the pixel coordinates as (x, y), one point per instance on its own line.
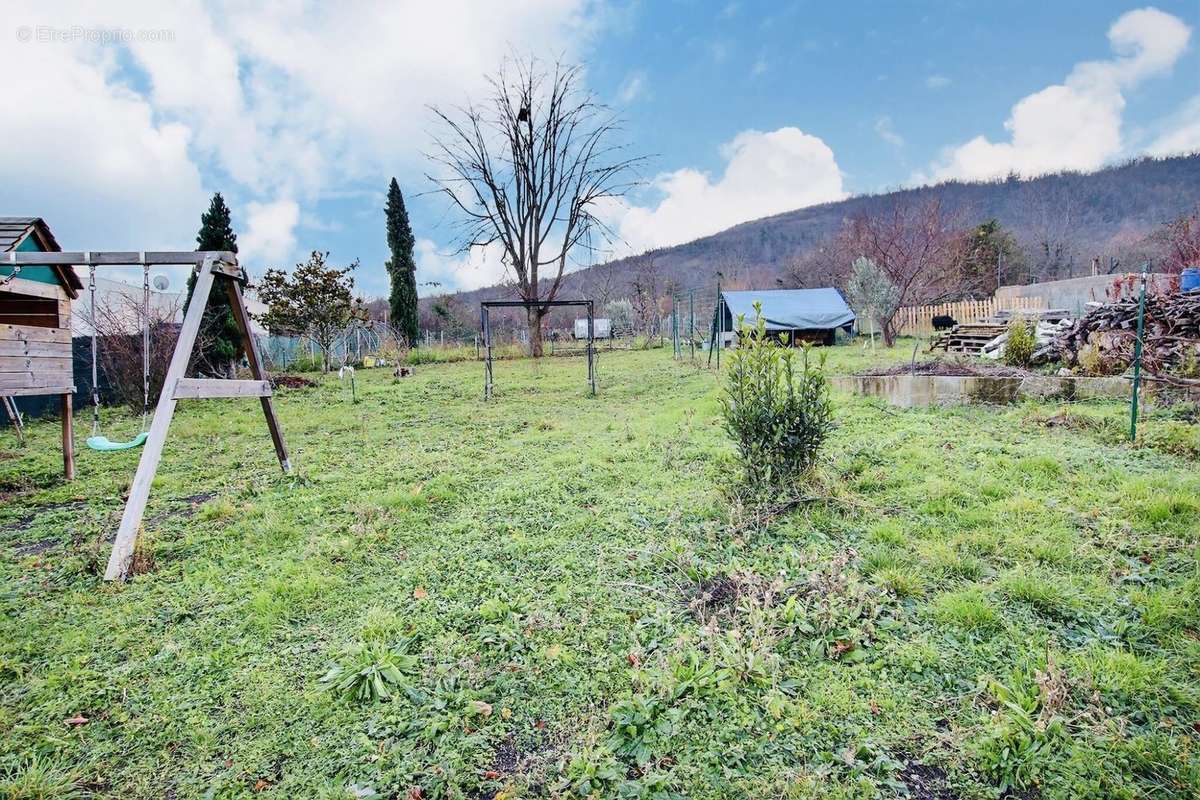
(300, 116)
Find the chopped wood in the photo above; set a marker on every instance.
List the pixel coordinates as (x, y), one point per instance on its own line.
(1171, 332)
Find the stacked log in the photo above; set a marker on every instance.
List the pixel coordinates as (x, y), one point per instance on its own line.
(1171, 334)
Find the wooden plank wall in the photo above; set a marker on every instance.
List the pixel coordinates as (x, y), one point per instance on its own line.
(918, 320)
(35, 360)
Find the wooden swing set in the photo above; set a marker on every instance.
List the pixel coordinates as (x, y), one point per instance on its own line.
(214, 268)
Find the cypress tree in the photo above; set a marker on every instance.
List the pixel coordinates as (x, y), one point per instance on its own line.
(401, 267)
(220, 338)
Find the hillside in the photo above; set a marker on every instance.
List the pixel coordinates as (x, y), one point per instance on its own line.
(1077, 216)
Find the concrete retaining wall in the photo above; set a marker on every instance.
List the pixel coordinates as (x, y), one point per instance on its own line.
(910, 391)
(1071, 294)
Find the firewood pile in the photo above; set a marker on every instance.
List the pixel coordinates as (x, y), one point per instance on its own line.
(1171, 334)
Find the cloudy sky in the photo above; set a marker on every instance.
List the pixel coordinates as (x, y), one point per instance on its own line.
(124, 117)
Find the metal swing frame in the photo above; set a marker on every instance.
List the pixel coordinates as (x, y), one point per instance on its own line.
(485, 321)
(213, 267)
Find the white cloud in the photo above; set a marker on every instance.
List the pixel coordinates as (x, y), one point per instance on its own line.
(118, 144)
(270, 233)
(1180, 133)
(1075, 124)
(883, 127)
(760, 67)
(89, 154)
(937, 82)
(765, 173)
(478, 268)
(633, 88)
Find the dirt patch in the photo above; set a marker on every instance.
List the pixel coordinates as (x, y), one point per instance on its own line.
(191, 504)
(35, 548)
(507, 759)
(952, 369)
(926, 782)
(711, 596)
(22, 524)
(291, 382)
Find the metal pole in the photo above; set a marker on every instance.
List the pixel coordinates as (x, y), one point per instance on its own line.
(674, 328)
(720, 326)
(484, 323)
(1137, 358)
(591, 349)
(692, 322)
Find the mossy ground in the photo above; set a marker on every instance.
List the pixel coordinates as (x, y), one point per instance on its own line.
(978, 598)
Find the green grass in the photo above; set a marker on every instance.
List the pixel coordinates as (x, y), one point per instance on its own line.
(1007, 596)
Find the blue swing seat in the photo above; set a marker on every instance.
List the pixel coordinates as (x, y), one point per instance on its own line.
(102, 443)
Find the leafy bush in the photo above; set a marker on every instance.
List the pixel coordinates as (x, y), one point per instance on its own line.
(777, 416)
(1018, 350)
(369, 672)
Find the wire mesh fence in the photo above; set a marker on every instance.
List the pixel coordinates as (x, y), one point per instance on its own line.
(691, 326)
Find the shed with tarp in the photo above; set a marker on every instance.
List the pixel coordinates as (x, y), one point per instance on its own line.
(792, 316)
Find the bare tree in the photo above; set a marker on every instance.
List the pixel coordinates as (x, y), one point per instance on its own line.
(918, 244)
(645, 294)
(119, 320)
(529, 171)
(1179, 242)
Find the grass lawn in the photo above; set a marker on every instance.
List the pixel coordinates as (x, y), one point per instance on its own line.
(976, 599)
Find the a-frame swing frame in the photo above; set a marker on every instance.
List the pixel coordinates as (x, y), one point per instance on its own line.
(214, 267)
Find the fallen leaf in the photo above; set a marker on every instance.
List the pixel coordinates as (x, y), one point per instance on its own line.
(491, 775)
(78, 719)
(261, 785)
(874, 708)
(419, 593)
(633, 660)
(506, 712)
(482, 708)
(553, 650)
(415, 793)
(540, 724)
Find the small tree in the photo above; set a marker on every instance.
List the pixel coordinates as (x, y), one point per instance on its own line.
(401, 267)
(1021, 342)
(315, 301)
(777, 416)
(871, 293)
(220, 342)
(991, 255)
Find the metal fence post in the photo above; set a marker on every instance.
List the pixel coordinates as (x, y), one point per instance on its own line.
(1137, 357)
(692, 322)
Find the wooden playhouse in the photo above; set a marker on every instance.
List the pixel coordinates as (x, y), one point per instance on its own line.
(35, 324)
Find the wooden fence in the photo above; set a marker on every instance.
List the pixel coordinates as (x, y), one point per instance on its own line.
(918, 320)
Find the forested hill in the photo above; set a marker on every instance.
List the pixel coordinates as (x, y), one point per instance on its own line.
(1061, 221)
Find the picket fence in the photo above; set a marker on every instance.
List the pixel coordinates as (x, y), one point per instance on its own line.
(918, 320)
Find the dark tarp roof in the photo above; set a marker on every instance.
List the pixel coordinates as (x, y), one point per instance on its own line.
(789, 309)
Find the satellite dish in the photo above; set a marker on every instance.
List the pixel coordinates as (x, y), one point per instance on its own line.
(160, 282)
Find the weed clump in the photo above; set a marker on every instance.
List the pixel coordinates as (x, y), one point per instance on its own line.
(369, 672)
(777, 415)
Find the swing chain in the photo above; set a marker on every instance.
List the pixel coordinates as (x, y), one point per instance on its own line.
(145, 337)
(95, 378)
